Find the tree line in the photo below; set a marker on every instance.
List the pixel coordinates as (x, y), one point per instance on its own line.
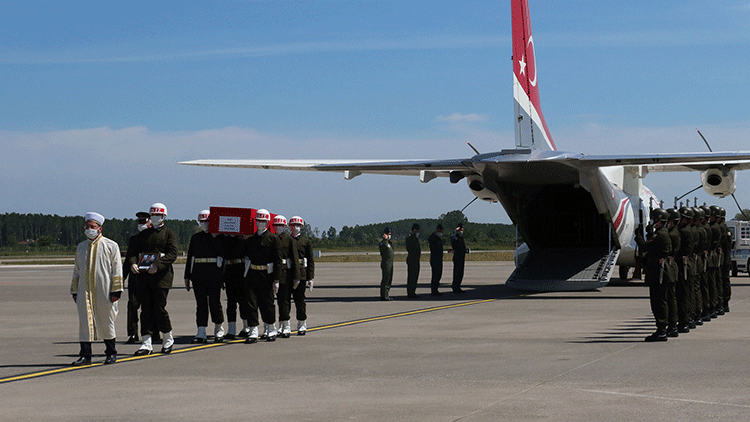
(53, 233)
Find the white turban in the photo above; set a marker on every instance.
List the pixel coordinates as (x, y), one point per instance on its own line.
(94, 216)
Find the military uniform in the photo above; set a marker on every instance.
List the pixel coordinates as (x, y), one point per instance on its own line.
(133, 304)
(203, 268)
(436, 262)
(289, 260)
(459, 258)
(670, 279)
(154, 288)
(306, 267)
(657, 249)
(702, 271)
(233, 250)
(264, 268)
(386, 267)
(684, 288)
(726, 247)
(413, 253)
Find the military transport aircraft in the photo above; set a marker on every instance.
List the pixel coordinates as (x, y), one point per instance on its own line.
(598, 200)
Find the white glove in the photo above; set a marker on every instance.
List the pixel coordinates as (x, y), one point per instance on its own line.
(275, 287)
(219, 261)
(309, 284)
(295, 284)
(134, 269)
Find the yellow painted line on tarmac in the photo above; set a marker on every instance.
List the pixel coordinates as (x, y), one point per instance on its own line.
(210, 345)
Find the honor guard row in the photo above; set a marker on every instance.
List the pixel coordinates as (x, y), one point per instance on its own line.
(687, 257)
(253, 269)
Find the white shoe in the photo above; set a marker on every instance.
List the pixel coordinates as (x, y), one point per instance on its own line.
(166, 345)
(285, 329)
(218, 333)
(271, 332)
(252, 335)
(301, 327)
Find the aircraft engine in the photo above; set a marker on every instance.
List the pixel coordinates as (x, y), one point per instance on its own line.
(718, 182)
(478, 188)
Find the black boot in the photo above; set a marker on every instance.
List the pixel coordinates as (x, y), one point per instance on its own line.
(658, 335)
(84, 355)
(110, 351)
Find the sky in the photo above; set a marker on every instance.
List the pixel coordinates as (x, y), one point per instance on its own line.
(100, 100)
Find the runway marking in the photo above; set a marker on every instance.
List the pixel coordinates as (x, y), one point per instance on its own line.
(648, 396)
(207, 346)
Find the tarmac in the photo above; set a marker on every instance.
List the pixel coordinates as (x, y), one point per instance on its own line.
(487, 355)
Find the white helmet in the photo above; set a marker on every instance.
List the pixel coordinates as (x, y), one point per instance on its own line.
(262, 215)
(296, 220)
(203, 215)
(279, 220)
(158, 208)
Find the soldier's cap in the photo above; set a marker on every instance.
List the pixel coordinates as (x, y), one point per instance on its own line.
(386, 230)
(415, 226)
(142, 214)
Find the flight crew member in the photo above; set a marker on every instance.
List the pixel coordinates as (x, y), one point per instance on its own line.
(413, 253)
(386, 265)
(203, 269)
(153, 254)
(459, 257)
(436, 259)
(96, 287)
(143, 223)
(656, 249)
(306, 270)
(289, 262)
(726, 247)
(262, 277)
(684, 287)
(233, 250)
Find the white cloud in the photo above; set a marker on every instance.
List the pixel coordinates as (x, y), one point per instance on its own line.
(458, 117)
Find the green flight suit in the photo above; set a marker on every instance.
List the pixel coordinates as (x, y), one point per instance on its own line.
(386, 266)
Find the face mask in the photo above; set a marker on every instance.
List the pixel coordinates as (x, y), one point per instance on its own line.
(204, 226)
(92, 233)
(261, 226)
(439, 234)
(142, 227)
(157, 220)
(416, 234)
(296, 230)
(388, 237)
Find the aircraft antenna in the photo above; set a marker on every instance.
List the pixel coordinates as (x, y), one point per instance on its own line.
(467, 205)
(472, 147)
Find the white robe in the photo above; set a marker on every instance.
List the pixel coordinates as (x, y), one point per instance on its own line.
(97, 273)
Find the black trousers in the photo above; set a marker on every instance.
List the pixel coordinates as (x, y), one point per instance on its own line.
(412, 275)
(285, 295)
(259, 291)
(235, 289)
(109, 348)
(437, 274)
(458, 273)
(207, 297)
(154, 315)
(133, 306)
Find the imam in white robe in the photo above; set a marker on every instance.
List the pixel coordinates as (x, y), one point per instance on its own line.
(97, 273)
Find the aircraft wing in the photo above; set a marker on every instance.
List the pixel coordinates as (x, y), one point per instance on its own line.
(506, 159)
(425, 169)
(739, 160)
